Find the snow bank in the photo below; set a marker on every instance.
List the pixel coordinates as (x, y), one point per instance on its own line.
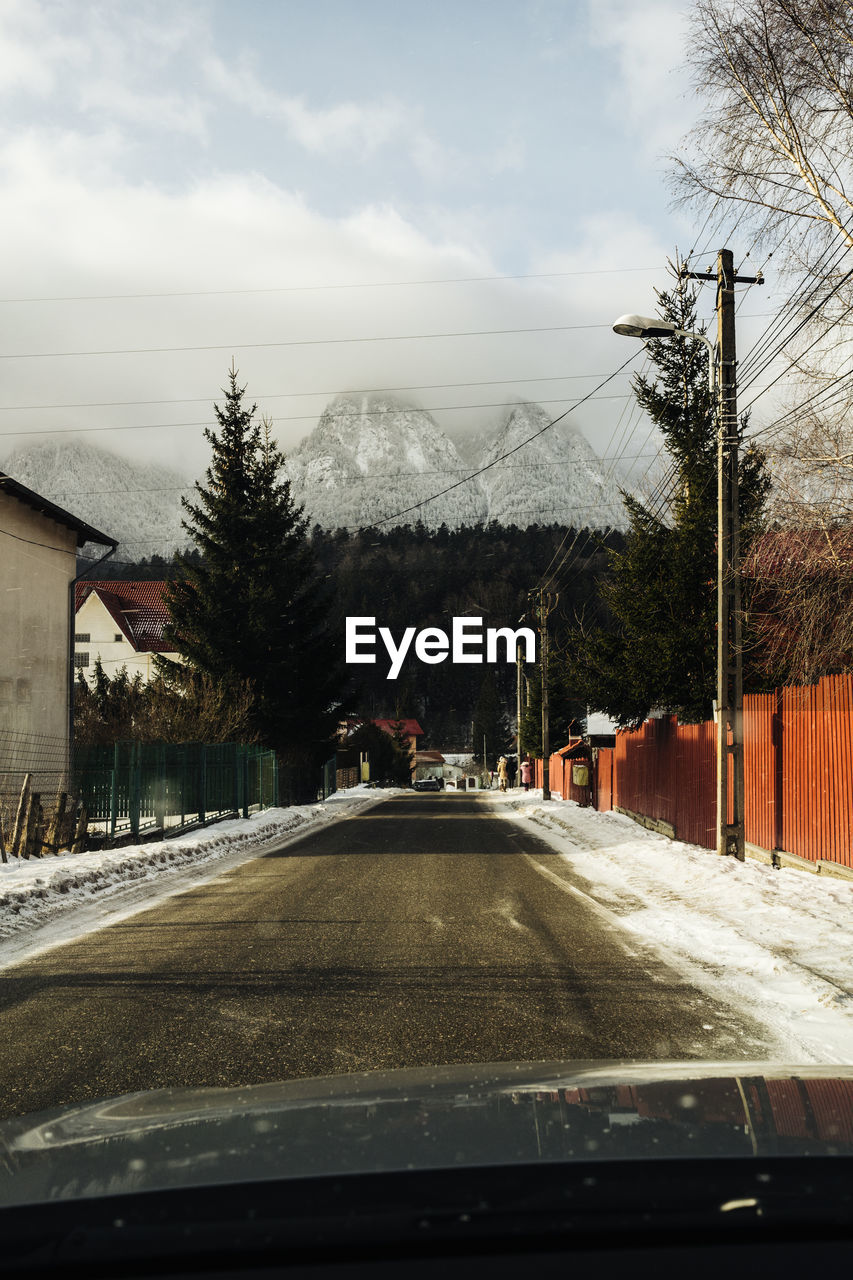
(776, 943)
(35, 891)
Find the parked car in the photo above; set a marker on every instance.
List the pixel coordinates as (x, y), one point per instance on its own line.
(428, 784)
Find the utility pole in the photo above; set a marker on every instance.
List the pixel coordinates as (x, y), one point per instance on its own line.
(730, 835)
(519, 676)
(547, 604)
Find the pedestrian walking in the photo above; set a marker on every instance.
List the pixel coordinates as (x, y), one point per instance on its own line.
(526, 772)
(503, 773)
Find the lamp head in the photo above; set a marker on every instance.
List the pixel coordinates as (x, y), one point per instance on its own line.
(644, 327)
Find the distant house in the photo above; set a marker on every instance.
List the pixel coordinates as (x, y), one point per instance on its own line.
(409, 729)
(122, 624)
(38, 564)
(429, 764)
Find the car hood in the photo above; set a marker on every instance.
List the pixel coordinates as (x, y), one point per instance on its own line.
(446, 1117)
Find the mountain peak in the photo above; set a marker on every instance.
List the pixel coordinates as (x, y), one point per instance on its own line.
(138, 503)
(373, 456)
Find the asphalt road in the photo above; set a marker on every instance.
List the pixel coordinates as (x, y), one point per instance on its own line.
(423, 931)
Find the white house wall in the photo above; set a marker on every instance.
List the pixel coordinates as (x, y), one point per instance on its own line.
(37, 564)
(96, 621)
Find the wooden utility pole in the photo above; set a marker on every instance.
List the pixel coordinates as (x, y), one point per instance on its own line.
(547, 604)
(730, 835)
(519, 676)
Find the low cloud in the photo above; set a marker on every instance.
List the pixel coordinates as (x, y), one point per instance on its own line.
(310, 295)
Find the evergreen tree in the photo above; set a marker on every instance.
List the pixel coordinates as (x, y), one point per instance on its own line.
(403, 745)
(252, 608)
(389, 761)
(659, 651)
(564, 712)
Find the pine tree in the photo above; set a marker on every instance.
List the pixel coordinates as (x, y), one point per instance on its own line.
(659, 651)
(252, 607)
(564, 712)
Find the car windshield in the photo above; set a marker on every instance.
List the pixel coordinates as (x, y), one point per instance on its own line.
(426, 528)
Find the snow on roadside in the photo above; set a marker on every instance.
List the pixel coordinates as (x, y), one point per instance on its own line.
(38, 891)
(776, 943)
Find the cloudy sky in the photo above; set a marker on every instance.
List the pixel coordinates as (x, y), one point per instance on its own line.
(452, 199)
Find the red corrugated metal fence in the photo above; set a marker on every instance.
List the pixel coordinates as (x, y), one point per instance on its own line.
(798, 766)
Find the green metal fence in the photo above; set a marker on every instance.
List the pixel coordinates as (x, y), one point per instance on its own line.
(140, 787)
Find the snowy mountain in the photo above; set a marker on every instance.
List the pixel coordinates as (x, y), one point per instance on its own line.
(556, 477)
(372, 456)
(368, 457)
(135, 502)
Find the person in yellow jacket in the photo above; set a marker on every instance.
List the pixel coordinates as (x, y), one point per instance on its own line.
(503, 773)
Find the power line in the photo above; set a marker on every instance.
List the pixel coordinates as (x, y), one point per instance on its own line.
(800, 297)
(296, 395)
(757, 358)
(548, 578)
(417, 505)
(322, 288)
(834, 393)
(293, 417)
(30, 542)
(811, 345)
(299, 342)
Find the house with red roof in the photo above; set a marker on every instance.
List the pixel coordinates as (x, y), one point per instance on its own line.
(408, 729)
(122, 624)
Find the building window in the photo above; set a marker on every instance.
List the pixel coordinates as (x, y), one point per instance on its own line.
(24, 691)
(82, 637)
(81, 659)
(118, 637)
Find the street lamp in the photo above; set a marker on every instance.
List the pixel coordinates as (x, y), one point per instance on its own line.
(652, 327)
(729, 836)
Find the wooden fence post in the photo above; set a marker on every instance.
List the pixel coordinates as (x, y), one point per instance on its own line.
(20, 817)
(65, 836)
(51, 842)
(80, 832)
(31, 842)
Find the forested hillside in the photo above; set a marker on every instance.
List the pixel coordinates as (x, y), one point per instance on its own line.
(416, 577)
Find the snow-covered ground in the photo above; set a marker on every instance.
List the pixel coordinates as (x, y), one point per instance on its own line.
(777, 944)
(47, 901)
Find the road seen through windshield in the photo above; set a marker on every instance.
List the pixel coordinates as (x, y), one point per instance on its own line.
(424, 930)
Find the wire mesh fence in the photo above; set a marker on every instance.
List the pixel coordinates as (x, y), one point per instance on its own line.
(138, 787)
(49, 804)
(39, 811)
